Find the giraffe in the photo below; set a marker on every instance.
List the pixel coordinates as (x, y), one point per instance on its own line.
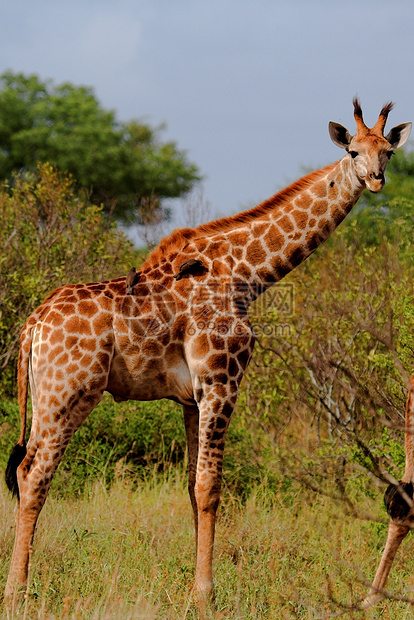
(398, 500)
(185, 338)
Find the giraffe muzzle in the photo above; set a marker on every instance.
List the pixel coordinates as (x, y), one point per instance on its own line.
(375, 181)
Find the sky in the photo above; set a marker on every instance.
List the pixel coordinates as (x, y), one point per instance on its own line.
(246, 88)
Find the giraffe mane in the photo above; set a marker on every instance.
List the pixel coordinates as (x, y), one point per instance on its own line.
(181, 236)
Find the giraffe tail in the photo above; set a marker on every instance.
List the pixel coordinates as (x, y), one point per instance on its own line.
(19, 451)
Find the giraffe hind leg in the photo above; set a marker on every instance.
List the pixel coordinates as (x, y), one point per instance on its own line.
(45, 450)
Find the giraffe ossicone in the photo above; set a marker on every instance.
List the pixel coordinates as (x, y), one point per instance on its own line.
(187, 339)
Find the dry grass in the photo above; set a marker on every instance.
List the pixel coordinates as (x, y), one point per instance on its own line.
(129, 554)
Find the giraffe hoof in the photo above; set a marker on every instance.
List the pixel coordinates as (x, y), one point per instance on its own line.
(395, 504)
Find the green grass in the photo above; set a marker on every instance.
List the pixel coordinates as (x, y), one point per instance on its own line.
(128, 553)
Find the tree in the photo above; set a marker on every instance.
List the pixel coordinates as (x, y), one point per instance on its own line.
(123, 165)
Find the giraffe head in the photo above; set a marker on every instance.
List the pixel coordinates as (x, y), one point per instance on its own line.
(369, 150)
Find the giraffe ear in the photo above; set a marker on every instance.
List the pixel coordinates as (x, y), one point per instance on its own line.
(399, 135)
(339, 135)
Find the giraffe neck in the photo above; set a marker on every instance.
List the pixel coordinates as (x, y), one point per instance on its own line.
(296, 226)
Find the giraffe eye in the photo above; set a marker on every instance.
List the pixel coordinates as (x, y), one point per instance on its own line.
(353, 154)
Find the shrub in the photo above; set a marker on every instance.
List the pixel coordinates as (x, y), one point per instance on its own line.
(49, 236)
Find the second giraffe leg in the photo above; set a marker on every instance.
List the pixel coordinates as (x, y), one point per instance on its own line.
(399, 509)
(191, 421)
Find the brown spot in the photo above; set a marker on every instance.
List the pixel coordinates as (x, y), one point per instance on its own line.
(57, 336)
(226, 411)
(337, 215)
(265, 275)
(279, 266)
(220, 390)
(156, 274)
(83, 294)
(243, 270)
(89, 344)
(258, 230)
(217, 248)
(86, 360)
(301, 218)
(53, 402)
(238, 238)
(103, 358)
(71, 341)
(233, 368)
(72, 368)
(150, 347)
(313, 240)
(325, 227)
(303, 201)
(320, 207)
(255, 254)
(217, 342)
(285, 223)
(200, 346)
(294, 253)
(217, 361)
(274, 239)
(106, 303)
(238, 253)
(101, 324)
(88, 308)
(179, 327)
(312, 222)
(82, 375)
(244, 357)
(319, 189)
(201, 245)
(221, 377)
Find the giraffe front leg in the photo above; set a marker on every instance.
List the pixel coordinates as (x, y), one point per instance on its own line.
(215, 415)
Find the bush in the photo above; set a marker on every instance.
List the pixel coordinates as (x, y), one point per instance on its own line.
(49, 236)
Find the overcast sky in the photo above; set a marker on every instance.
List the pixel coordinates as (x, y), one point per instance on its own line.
(247, 88)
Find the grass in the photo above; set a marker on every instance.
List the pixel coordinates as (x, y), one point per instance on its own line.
(128, 553)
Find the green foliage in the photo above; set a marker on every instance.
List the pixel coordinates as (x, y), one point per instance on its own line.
(123, 165)
(49, 236)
